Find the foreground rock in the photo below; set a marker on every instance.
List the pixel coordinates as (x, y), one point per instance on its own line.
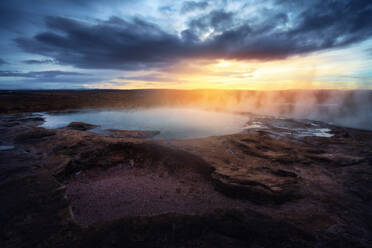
(33, 134)
(71, 188)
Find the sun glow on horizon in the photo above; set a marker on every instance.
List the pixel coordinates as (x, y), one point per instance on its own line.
(327, 70)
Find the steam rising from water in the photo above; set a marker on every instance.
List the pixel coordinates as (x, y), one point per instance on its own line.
(181, 111)
(343, 108)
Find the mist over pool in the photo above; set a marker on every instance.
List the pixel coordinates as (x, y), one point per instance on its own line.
(173, 123)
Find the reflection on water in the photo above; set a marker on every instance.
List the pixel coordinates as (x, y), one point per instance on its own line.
(173, 123)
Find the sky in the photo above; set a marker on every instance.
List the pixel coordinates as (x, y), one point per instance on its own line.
(223, 44)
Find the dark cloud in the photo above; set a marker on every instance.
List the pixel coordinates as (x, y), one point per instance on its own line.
(41, 79)
(38, 62)
(217, 20)
(213, 22)
(338, 22)
(40, 74)
(291, 28)
(111, 44)
(190, 6)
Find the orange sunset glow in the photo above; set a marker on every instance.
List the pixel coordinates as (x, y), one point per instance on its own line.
(326, 70)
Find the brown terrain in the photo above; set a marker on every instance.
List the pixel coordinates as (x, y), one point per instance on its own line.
(264, 187)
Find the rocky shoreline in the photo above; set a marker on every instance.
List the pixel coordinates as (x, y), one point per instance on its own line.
(264, 187)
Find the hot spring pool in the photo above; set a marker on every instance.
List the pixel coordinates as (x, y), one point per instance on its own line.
(173, 123)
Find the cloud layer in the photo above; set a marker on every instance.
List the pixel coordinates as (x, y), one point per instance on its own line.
(287, 28)
(40, 74)
(242, 44)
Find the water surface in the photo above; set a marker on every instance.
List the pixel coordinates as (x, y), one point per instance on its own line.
(173, 123)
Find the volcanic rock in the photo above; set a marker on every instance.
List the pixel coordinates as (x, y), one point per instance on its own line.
(137, 134)
(81, 126)
(68, 188)
(34, 133)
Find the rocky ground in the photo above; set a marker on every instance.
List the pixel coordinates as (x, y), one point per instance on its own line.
(274, 185)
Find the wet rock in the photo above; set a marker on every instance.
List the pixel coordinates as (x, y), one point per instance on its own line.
(81, 126)
(31, 118)
(34, 133)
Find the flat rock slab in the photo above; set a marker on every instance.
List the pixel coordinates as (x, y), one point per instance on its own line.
(82, 126)
(137, 134)
(33, 133)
